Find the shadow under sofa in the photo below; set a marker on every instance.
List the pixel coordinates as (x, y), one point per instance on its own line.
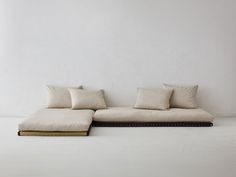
(68, 122)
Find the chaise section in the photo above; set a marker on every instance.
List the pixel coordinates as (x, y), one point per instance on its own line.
(57, 122)
(128, 117)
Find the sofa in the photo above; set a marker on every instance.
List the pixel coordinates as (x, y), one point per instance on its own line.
(128, 117)
(73, 111)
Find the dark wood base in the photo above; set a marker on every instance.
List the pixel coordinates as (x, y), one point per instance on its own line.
(116, 124)
(52, 133)
(152, 124)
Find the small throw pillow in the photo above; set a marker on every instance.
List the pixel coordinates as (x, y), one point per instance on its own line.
(84, 99)
(153, 99)
(183, 96)
(59, 97)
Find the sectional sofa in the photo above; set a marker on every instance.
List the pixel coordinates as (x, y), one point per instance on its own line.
(73, 111)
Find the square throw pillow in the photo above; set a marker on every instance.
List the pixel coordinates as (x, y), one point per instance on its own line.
(153, 99)
(183, 96)
(84, 99)
(59, 97)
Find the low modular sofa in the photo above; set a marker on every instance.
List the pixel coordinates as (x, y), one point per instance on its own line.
(131, 117)
(76, 112)
(69, 122)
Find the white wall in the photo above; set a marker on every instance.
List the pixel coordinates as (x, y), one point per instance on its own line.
(117, 45)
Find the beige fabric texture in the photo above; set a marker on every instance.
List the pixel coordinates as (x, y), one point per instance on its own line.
(58, 120)
(153, 99)
(183, 96)
(84, 99)
(59, 97)
(127, 114)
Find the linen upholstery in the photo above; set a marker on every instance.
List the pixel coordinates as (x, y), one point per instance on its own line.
(58, 120)
(59, 97)
(153, 99)
(183, 96)
(127, 114)
(84, 99)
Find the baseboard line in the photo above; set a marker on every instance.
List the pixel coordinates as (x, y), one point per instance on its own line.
(224, 115)
(217, 115)
(10, 117)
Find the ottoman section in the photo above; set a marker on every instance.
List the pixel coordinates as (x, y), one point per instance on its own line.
(57, 122)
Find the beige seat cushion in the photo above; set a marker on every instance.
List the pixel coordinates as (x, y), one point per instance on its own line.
(58, 120)
(59, 97)
(126, 114)
(153, 99)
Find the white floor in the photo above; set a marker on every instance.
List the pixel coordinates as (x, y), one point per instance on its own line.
(121, 152)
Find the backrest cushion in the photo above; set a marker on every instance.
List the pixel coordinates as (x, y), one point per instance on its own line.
(183, 96)
(153, 99)
(59, 97)
(84, 99)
